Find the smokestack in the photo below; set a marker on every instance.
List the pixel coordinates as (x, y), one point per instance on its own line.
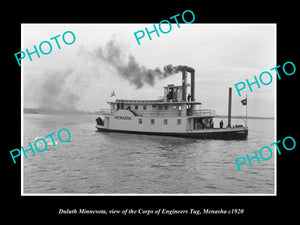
(229, 107)
(183, 85)
(192, 85)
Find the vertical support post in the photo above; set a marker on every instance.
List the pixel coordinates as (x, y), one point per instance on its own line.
(183, 85)
(183, 110)
(229, 107)
(192, 85)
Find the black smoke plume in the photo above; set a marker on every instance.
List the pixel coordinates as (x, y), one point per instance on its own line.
(54, 93)
(138, 75)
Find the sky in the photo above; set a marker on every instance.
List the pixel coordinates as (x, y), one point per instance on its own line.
(101, 60)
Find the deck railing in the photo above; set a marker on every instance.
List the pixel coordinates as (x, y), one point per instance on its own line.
(203, 112)
(162, 113)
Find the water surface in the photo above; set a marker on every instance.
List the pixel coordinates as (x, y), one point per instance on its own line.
(115, 163)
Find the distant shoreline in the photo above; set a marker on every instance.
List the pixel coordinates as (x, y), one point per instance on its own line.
(51, 111)
(249, 117)
(56, 111)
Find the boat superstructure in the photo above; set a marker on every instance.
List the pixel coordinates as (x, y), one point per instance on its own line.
(176, 113)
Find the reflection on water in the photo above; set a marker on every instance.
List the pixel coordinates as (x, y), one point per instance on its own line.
(96, 162)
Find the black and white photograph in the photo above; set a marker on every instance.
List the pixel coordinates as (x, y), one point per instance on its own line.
(126, 109)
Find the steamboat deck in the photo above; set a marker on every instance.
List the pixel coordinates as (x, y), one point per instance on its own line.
(177, 113)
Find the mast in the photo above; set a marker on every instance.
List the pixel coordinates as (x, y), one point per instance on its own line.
(229, 107)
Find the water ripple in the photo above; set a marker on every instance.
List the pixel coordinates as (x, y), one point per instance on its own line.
(95, 162)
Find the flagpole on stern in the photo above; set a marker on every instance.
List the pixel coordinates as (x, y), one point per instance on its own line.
(245, 102)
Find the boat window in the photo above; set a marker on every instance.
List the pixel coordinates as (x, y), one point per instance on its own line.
(140, 121)
(178, 121)
(152, 121)
(136, 107)
(165, 121)
(160, 107)
(144, 107)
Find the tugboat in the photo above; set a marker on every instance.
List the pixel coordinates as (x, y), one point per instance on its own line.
(177, 113)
